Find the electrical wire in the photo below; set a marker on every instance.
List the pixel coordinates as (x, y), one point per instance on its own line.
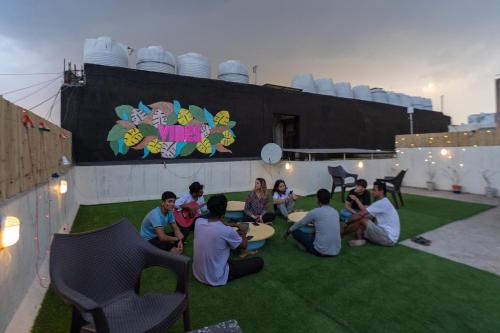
(36, 91)
(16, 74)
(47, 99)
(31, 86)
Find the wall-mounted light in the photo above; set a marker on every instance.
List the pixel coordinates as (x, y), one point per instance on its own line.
(361, 164)
(65, 161)
(287, 166)
(9, 230)
(444, 152)
(461, 165)
(63, 186)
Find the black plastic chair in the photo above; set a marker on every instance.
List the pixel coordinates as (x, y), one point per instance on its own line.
(393, 186)
(98, 272)
(339, 176)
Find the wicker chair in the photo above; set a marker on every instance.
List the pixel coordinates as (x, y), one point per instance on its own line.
(98, 272)
(339, 176)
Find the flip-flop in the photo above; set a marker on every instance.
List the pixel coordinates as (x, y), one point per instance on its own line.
(421, 240)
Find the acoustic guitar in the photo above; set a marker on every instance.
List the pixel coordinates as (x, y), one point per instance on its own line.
(184, 217)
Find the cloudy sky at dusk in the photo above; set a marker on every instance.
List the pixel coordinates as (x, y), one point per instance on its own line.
(425, 48)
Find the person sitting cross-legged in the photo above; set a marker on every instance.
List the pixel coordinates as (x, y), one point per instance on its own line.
(256, 204)
(213, 241)
(326, 238)
(378, 223)
(358, 197)
(154, 223)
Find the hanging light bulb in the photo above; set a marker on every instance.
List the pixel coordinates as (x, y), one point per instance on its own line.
(63, 186)
(9, 231)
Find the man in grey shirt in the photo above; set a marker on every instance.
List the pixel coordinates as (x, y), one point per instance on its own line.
(326, 239)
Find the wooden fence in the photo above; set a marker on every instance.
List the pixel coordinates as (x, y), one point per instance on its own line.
(29, 154)
(490, 137)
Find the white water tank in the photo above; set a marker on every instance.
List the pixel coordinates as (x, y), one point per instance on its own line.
(405, 100)
(379, 95)
(362, 92)
(417, 102)
(304, 82)
(343, 89)
(105, 51)
(325, 87)
(427, 104)
(233, 71)
(193, 64)
(155, 59)
(393, 98)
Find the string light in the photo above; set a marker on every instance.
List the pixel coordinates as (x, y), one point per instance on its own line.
(10, 227)
(444, 152)
(361, 164)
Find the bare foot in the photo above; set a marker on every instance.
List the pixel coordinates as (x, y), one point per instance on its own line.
(246, 253)
(176, 250)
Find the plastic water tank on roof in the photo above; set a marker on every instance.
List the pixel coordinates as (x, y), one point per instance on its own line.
(379, 95)
(193, 64)
(105, 51)
(393, 98)
(155, 59)
(343, 89)
(362, 92)
(304, 82)
(233, 71)
(325, 87)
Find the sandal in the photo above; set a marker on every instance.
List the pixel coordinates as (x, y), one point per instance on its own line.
(421, 240)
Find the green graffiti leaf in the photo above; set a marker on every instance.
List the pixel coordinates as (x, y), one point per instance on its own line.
(147, 130)
(231, 124)
(114, 147)
(215, 138)
(197, 113)
(188, 149)
(172, 119)
(116, 133)
(124, 111)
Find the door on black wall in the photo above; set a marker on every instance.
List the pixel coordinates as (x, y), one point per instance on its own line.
(286, 131)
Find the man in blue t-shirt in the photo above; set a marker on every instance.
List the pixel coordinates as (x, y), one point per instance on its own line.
(154, 223)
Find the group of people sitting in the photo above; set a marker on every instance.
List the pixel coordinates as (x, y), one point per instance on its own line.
(214, 238)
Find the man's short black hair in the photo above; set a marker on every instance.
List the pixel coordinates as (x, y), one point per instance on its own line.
(195, 187)
(217, 205)
(168, 195)
(381, 186)
(361, 182)
(323, 196)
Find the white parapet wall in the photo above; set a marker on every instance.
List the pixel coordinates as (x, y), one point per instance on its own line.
(42, 211)
(122, 183)
(466, 163)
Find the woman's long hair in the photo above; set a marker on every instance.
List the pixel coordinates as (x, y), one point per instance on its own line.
(263, 187)
(277, 184)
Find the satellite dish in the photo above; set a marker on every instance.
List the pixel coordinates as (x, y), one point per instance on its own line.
(271, 153)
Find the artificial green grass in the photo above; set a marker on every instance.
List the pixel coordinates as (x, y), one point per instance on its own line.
(370, 288)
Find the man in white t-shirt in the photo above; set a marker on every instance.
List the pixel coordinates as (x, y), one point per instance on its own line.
(378, 223)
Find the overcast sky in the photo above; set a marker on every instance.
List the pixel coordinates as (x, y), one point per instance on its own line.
(425, 48)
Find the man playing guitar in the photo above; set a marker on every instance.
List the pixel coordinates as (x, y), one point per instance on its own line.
(189, 207)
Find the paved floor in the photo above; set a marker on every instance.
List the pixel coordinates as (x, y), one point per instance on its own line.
(474, 241)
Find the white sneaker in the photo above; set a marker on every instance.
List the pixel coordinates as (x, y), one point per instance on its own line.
(357, 242)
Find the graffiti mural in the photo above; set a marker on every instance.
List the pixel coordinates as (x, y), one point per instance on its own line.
(170, 130)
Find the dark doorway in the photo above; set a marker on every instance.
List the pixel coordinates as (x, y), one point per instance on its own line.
(286, 131)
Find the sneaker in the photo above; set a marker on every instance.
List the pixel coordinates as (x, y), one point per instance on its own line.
(357, 242)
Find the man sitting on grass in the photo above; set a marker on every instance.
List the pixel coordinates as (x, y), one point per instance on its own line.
(326, 238)
(378, 223)
(358, 197)
(153, 226)
(213, 241)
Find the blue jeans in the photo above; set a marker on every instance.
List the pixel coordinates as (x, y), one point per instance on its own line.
(306, 240)
(345, 214)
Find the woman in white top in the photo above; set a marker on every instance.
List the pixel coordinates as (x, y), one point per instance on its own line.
(283, 198)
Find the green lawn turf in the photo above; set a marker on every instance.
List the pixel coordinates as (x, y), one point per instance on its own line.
(370, 288)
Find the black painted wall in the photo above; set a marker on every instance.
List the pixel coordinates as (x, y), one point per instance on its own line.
(324, 121)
